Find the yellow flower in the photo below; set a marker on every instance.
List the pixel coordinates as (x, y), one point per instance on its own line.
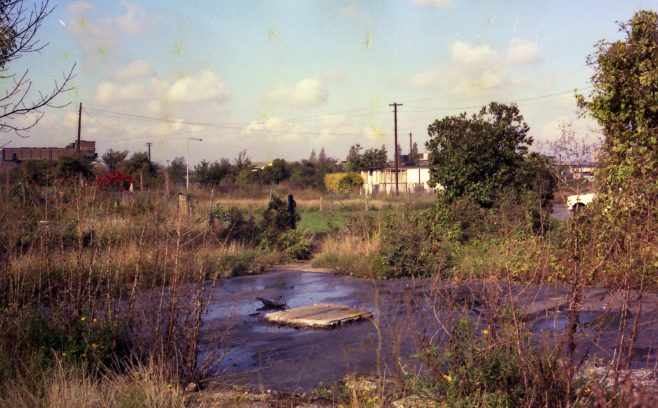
(485, 332)
(64, 354)
(447, 377)
(94, 345)
(94, 320)
(82, 319)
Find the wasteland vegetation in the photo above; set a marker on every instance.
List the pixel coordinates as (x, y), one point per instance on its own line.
(103, 290)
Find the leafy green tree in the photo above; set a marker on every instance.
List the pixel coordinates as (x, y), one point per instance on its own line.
(303, 173)
(177, 170)
(478, 156)
(369, 159)
(246, 176)
(414, 156)
(141, 169)
(537, 175)
(374, 159)
(353, 161)
(211, 174)
(242, 162)
(276, 172)
(313, 158)
(68, 168)
(112, 158)
(624, 101)
(325, 162)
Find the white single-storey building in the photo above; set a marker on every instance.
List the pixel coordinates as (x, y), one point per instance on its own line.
(410, 179)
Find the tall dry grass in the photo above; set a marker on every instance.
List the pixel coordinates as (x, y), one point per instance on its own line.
(92, 280)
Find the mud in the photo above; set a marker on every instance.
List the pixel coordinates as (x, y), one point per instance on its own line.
(246, 350)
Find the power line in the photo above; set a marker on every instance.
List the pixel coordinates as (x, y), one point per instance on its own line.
(235, 126)
(214, 125)
(533, 98)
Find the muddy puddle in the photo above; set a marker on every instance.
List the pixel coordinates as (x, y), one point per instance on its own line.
(246, 350)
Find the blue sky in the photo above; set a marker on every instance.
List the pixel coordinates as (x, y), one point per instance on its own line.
(279, 78)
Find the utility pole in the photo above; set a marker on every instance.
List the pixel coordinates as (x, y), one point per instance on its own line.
(149, 144)
(79, 129)
(395, 148)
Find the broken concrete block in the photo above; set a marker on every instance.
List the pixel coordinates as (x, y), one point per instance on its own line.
(318, 315)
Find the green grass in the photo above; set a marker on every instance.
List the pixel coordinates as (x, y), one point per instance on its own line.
(322, 222)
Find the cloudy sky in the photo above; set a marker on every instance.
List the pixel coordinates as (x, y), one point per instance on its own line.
(279, 78)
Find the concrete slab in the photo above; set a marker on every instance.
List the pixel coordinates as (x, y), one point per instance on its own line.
(321, 315)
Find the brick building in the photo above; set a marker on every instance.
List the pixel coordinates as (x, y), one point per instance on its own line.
(11, 157)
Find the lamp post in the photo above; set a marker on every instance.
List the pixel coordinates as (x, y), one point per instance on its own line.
(187, 170)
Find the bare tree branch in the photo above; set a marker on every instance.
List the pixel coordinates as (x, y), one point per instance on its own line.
(19, 25)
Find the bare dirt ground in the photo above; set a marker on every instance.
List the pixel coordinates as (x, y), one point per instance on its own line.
(247, 351)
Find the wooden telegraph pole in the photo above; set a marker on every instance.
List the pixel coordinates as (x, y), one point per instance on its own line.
(395, 146)
(79, 129)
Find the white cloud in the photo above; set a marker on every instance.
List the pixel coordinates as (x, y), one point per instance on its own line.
(467, 55)
(307, 92)
(521, 51)
(434, 3)
(208, 86)
(474, 68)
(109, 91)
(135, 70)
(275, 128)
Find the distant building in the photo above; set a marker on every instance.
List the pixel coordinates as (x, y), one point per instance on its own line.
(13, 156)
(422, 160)
(410, 179)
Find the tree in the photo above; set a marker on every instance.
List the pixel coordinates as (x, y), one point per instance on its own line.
(113, 158)
(370, 159)
(140, 168)
(624, 101)
(303, 174)
(374, 159)
(69, 168)
(177, 170)
(19, 23)
(276, 172)
(242, 162)
(353, 159)
(414, 156)
(480, 156)
(213, 173)
(313, 159)
(324, 161)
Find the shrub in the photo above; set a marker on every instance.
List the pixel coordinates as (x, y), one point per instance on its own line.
(343, 182)
(405, 249)
(238, 264)
(492, 367)
(295, 245)
(234, 227)
(114, 181)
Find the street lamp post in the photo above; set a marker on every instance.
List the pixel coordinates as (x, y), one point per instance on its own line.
(187, 170)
